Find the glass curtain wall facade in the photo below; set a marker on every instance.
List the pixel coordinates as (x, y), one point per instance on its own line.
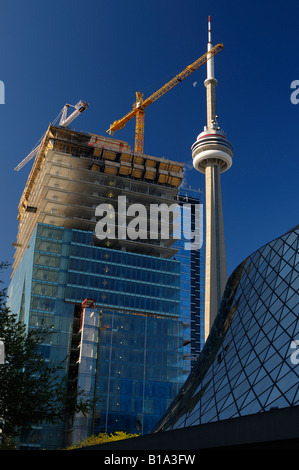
(249, 363)
(139, 370)
(131, 343)
(141, 335)
(192, 278)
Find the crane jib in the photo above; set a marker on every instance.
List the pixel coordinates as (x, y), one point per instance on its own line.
(119, 124)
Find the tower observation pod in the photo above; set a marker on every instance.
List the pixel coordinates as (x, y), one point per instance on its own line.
(212, 155)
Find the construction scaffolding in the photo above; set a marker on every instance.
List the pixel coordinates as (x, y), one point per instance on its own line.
(73, 172)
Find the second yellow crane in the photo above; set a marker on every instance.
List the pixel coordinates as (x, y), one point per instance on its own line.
(140, 104)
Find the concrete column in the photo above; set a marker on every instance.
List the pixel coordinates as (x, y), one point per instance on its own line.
(215, 271)
(221, 240)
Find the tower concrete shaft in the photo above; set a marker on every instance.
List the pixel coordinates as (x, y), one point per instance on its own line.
(215, 269)
(212, 154)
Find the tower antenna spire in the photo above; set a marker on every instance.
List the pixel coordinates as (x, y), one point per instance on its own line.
(210, 83)
(210, 62)
(209, 33)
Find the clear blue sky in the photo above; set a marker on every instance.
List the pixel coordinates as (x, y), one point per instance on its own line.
(58, 52)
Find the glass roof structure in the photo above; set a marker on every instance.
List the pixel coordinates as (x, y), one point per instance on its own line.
(250, 361)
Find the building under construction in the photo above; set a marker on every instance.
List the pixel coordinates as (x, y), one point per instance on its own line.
(63, 190)
(126, 313)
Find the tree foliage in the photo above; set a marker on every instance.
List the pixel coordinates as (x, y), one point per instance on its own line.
(31, 389)
(102, 438)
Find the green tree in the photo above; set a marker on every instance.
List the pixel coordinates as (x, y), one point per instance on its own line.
(31, 390)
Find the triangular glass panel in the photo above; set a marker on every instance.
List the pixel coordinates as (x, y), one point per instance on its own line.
(275, 372)
(288, 381)
(261, 374)
(249, 397)
(240, 388)
(180, 423)
(192, 421)
(296, 328)
(251, 408)
(292, 260)
(277, 245)
(292, 239)
(261, 348)
(295, 280)
(253, 370)
(296, 397)
(287, 275)
(225, 401)
(280, 402)
(291, 394)
(275, 393)
(264, 394)
(296, 262)
(271, 321)
(228, 412)
(285, 369)
(279, 331)
(280, 287)
(209, 416)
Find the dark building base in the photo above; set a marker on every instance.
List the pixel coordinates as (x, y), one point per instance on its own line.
(276, 429)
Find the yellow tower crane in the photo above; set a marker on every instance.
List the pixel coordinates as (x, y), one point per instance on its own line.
(140, 104)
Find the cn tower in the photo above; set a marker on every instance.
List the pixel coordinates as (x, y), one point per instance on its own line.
(212, 155)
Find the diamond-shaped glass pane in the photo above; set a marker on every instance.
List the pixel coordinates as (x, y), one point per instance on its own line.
(255, 373)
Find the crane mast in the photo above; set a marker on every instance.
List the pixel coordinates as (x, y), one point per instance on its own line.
(139, 106)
